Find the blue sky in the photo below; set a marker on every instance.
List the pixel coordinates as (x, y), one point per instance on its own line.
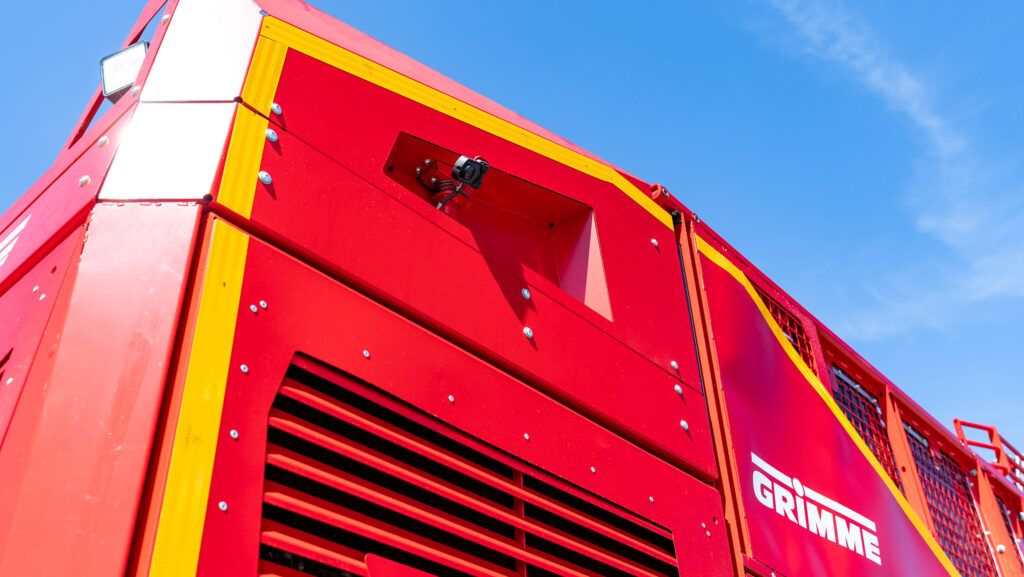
(867, 155)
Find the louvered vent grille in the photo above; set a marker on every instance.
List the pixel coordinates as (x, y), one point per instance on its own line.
(791, 327)
(952, 509)
(861, 407)
(351, 472)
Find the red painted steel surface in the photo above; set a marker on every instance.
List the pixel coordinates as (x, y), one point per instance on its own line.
(314, 315)
(25, 308)
(777, 416)
(75, 456)
(391, 243)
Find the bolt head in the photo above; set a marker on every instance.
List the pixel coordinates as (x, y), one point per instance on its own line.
(419, 169)
(245, 369)
(366, 353)
(102, 141)
(1000, 548)
(651, 498)
(9, 381)
(678, 389)
(675, 365)
(234, 434)
(684, 425)
(433, 180)
(526, 436)
(263, 305)
(451, 398)
(654, 242)
(708, 533)
(526, 293)
(84, 181)
(265, 178)
(426, 162)
(253, 308)
(275, 108)
(271, 135)
(223, 506)
(528, 332)
(593, 470)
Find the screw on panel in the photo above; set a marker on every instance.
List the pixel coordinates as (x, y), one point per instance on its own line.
(654, 242)
(245, 369)
(526, 293)
(593, 470)
(102, 141)
(433, 180)
(253, 308)
(275, 108)
(675, 365)
(265, 177)
(451, 398)
(9, 381)
(1000, 549)
(366, 353)
(223, 506)
(263, 305)
(703, 525)
(35, 288)
(84, 181)
(684, 425)
(234, 434)
(708, 533)
(678, 389)
(651, 498)
(419, 170)
(271, 134)
(526, 436)
(528, 332)
(426, 162)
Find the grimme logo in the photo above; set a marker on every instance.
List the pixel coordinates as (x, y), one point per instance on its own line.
(814, 511)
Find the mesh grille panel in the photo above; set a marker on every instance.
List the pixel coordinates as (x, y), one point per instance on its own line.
(863, 411)
(349, 474)
(791, 327)
(952, 509)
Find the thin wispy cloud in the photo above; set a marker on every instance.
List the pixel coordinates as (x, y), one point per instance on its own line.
(974, 212)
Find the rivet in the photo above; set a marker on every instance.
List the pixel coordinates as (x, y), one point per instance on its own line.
(102, 141)
(419, 169)
(528, 332)
(9, 381)
(675, 365)
(678, 389)
(433, 180)
(974, 472)
(1000, 548)
(265, 177)
(651, 498)
(84, 181)
(275, 108)
(234, 434)
(245, 369)
(708, 533)
(703, 525)
(366, 353)
(223, 506)
(135, 90)
(426, 162)
(271, 134)
(165, 18)
(253, 308)
(593, 470)
(451, 398)
(654, 242)
(263, 305)
(697, 219)
(42, 296)
(35, 288)
(526, 436)
(525, 293)
(684, 425)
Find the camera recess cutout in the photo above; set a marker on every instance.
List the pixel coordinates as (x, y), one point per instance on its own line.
(514, 222)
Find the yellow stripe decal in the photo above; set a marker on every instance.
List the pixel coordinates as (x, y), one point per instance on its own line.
(242, 165)
(294, 38)
(183, 512)
(725, 264)
(264, 74)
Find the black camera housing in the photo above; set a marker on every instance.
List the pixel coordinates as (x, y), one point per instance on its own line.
(470, 171)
